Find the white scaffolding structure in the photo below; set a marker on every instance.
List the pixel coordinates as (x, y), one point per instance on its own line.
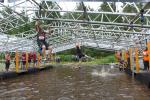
(98, 28)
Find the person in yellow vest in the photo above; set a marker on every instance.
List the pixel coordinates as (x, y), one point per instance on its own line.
(146, 59)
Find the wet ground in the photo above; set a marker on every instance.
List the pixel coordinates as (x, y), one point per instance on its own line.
(65, 83)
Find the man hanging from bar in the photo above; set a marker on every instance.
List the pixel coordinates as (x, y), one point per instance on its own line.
(41, 35)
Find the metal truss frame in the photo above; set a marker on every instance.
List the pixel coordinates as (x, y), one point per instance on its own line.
(100, 29)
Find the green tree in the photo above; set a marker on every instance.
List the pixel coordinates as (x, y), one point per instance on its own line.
(132, 9)
(13, 22)
(43, 9)
(104, 7)
(80, 16)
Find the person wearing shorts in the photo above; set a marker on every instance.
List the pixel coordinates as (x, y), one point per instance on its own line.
(23, 60)
(7, 61)
(41, 35)
(29, 58)
(34, 59)
(79, 53)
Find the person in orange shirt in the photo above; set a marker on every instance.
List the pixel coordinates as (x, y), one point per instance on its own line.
(146, 59)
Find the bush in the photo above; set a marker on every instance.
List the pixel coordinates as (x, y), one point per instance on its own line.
(66, 57)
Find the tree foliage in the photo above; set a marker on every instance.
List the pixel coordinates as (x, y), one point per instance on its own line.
(104, 7)
(43, 11)
(13, 22)
(132, 9)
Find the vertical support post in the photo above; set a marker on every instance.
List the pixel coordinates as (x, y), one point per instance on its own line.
(44, 53)
(27, 61)
(123, 54)
(17, 61)
(148, 46)
(137, 60)
(126, 58)
(39, 58)
(49, 53)
(116, 56)
(130, 53)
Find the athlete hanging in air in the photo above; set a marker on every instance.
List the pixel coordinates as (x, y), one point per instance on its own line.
(41, 36)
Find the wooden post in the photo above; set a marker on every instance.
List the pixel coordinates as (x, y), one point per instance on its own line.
(126, 59)
(44, 52)
(17, 61)
(137, 60)
(130, 52)
(122, 54)
(148, 46)
(27, 61)
(39, 58)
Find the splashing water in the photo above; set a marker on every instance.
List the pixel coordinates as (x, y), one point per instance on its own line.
(111, 65)
(102, 73)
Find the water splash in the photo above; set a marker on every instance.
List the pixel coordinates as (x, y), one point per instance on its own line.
(103, 72)
(112, 65)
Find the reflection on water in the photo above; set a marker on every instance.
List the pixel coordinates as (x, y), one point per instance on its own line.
(64, 83)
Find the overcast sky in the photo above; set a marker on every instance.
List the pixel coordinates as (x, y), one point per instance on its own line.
(70, 5)
(64, 5)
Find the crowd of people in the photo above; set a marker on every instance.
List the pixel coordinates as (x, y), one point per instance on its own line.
(125, 63)
(32, 58)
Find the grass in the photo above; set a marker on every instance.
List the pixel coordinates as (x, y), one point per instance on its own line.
(102, 60)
